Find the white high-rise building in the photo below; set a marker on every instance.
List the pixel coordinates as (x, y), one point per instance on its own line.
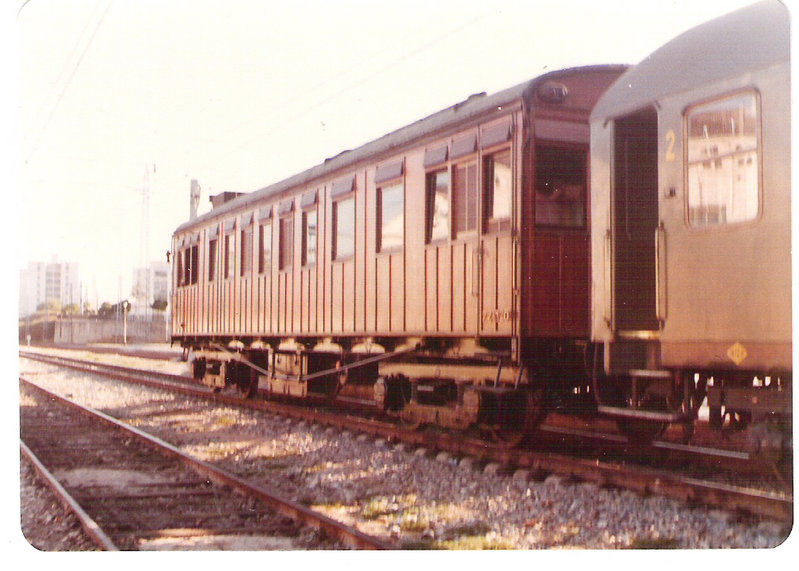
(150, 284)
(43, 281)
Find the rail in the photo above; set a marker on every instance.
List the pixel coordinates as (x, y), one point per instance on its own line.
(766, 504)
(270, 497)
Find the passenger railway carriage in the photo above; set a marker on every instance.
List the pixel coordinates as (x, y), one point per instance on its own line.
(462, 271)
(691, 224)
(456, 248)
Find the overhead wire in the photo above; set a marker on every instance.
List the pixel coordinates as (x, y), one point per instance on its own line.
(304, 111)
(68, 81)
(66, 65)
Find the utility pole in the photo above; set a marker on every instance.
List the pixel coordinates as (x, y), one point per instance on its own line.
(194, 199)
(125, 306)
(144, 245)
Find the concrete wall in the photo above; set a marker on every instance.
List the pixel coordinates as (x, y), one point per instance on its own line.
(78, 330)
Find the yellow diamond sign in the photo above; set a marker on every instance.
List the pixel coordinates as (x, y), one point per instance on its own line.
(737, 353)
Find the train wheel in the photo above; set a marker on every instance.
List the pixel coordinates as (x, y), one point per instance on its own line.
(735, 421)
(694, 393)
(409, 420)
(333, 387)
(525, 414)
(640, 431)
(247, 385)
(687, 428)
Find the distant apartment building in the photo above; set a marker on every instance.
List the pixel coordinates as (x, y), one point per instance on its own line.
(48, 281)
(150, 284)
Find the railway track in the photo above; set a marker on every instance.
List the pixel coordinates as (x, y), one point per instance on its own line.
(669, 483)
(132, 491)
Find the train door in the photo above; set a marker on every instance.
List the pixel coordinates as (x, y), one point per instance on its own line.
(495, 254)
(634, 223)
(560, 257)
(465, 247)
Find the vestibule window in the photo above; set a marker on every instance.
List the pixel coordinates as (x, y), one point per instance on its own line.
(723, 161)
(560, 181)
(437, 206)
(343, 228)
(390, 217)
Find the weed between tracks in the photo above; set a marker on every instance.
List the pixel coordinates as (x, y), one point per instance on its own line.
(404, 516)
(654, 543)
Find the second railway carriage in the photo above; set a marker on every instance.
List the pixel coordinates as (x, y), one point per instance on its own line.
(691, 225)
(442, 270)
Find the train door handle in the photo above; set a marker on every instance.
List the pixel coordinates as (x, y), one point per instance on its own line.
(476, 255)
(660, 272)
(608, 283)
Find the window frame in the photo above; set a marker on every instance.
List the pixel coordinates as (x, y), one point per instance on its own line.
(336, 256)
(179, 267)
(585, 156)
(492, 224)
(213, 246)
(264, 238)
(305, 262)
(188, 258)
(391, 185)
(758, 150)
(229, 262)
(195, 264)
(186, 266)
(245, 251)
(465, 162)
(431, 191)
(285, 249)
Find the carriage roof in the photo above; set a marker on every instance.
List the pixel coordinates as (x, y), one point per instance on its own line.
(752, 38)
(447, 119)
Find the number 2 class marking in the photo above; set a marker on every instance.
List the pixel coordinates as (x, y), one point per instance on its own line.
(671, 138)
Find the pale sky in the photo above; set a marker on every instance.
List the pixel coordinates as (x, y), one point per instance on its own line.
(116, 95)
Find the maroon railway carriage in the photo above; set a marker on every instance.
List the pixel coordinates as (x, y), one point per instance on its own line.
(442, 270)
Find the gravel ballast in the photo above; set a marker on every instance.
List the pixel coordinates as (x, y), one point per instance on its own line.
(417, 499)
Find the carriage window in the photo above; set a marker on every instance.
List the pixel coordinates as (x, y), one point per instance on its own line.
(437, 206)
(179, 267)
(187, 266)
(343, 228)
(212, 260)
(189, 262)
(230, 254)
(723, 162)
(560, 180)
(246, 251)
(497, 185)
(390, 217)
(265, 248)
(195, 264)
(285, 252)
(309, 238)
(464, 198)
